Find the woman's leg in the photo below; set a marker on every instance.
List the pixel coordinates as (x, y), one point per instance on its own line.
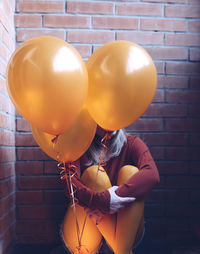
(97, 180)
(130, 220)
(91, 238)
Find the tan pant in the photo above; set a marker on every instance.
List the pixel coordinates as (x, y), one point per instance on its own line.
(121, 230)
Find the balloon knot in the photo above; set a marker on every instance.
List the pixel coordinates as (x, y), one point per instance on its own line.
(55, 139)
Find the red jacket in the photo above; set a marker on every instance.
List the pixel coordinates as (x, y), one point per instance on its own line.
(135, 153)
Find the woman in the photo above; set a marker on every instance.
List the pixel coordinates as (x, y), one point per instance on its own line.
(113, 194)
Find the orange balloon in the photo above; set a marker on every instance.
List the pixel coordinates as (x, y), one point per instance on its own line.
(47, 81)
(72, 143)
(122, 84)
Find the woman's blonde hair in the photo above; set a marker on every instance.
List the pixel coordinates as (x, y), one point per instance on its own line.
(115, 144)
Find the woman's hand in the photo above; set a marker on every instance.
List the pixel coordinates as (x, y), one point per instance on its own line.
(117, 202)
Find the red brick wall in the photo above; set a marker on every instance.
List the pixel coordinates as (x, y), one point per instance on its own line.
(168, 29)
(7, 131)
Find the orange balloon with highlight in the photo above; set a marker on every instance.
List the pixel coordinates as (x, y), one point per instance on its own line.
(70, 145)
(122, 84)
(47, 81)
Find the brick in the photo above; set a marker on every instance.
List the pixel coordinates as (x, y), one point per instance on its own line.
(164, 139)
(9, 239)
(115, 23)
(194, 82)
(84, 50)
(36, 226)
(7, 170)
(188, 211)
(182, 153)
(40, 212)
(66, 21)
(194, 54)
(6, 221)
(182, 125)
(50, 167)
(182, 68)
(153, 211)
(39, 183)
(23, 125)
(176, 196)
(4, 53)
(7, 186)
(182, 11)
(194, 110)
(28, 20)
(3, 85)
(159, 67)
(155, 197)
(9, 41)
(42, 238)
(193, 2)
(164, 110)
(164, 25)
(168, 53)
(172, 167)
(139, 9)
(195, 139)
(182, 39)
(182, 97)
(90, 36)
(171, 225)
(7, 154)
(182, 182)
(7, 138)
(159, 96)
(5, 21)
(7, 203)
(146, 125)
(29, 197)
(40, 6)
(168, 1)
(194, 167)
(26, 34)
(54, 197)
(144, 38)
(25, 140)
(6, 105)
(172, 82)
(90, 7)
(31, 154)
(157, 154)
(194, 26)
(7, 8)
(2, 68)
(29, 167)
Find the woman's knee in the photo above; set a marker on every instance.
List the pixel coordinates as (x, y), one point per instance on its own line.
(96, 178)
(125, 173)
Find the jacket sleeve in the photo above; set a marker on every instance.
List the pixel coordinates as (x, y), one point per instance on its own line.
(85, 196)
(142, 182)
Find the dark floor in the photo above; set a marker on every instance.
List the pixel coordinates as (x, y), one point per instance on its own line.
(146, 246)
(33, 249)
(42, 249)
(143, 248)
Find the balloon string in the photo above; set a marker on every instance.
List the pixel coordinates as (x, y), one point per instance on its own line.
(101, 163)
(68, 173)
